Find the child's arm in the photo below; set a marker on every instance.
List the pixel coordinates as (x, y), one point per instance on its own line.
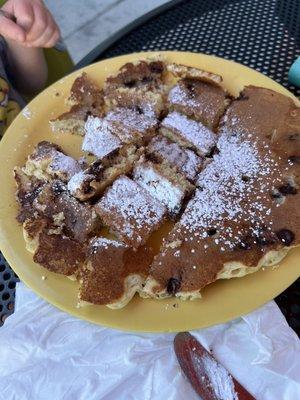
(32, 29)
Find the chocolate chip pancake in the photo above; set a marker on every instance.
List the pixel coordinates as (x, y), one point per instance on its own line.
(185, 185)
(238, 220)
(51, 248)
(85, 99)
(48, 161)
(139, 86)
(198, 99)
(130, 212)
(77, 220)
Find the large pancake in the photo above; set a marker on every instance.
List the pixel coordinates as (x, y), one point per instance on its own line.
(245, 214)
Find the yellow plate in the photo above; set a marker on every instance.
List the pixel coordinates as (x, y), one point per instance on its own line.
(222, 301)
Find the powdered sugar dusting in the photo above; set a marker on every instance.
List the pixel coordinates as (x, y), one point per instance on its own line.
(64, 165)
(159, 187)
(218, 378)
(186, 161)
(178, 96)
(76, 182)
(104, 243)
(130, 210)
(130, 119)
(98, 139)
(190, 131)
(227, 187)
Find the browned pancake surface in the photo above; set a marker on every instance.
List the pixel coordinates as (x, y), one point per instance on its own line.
(201, 100)
(108, 264)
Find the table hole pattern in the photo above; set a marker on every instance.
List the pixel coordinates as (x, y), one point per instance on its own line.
(262, 34)
(8, 281)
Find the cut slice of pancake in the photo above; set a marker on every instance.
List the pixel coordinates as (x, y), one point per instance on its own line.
(232, 226)
(130, 212)
(86, 92)
(86, 99)
(48, 161)
(201, 100)
(164, 184)
(139, 86)
(51, 249)
(91, 182)
(77, 220)
(163, 151)
(130, 126)
(113, 272)
(98, 139)
(188, 133)
(28, 188)
(184, 71)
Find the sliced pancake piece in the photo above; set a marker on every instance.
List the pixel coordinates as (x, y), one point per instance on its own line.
(51, 249)
(184, 71)
(188, 133)
(86, 92)
(113, 272)
(138, 86)
(164, 151)
(73, 120)
(48, 161)
(201, 100)
(130, 126)
(86, 98)
(163, 183)
(76, 220)
(229, 228)
(100, 174)
(98, 139)
(28, 188)
(130, 212)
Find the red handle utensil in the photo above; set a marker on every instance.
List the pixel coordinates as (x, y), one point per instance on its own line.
(208, 377)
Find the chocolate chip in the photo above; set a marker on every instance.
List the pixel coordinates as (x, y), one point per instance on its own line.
(130, 84)
(173, 285)
(139, 110)
(294, 159)
(58, 187)
(147, 79)
(244, 245)
(190, 87)
(214, 150)
(211, 231)
(156, 67)
(243, 97)
(95, 168)
(287, 189)
(286, 236)
(294, 136)
(245, 178)
(276, 195)
(264, 239)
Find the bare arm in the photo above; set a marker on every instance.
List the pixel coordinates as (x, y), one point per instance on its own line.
(29, 29)
(28, 68)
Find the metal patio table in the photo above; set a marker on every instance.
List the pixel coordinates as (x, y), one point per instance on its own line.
(262, 34)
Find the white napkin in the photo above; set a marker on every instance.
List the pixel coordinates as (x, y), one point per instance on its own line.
(47, 354)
